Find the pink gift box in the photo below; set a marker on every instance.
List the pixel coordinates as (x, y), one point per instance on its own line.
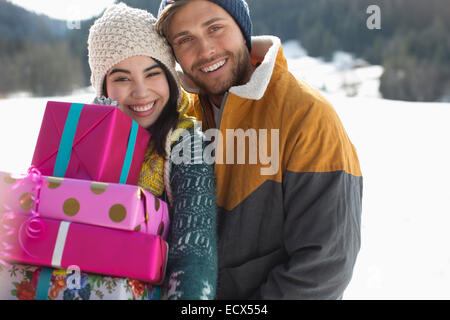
(110, 205)
(93, 249)
(99, 149)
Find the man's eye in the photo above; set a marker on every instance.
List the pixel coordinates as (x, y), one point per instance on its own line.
(216, 27)
(184, 40)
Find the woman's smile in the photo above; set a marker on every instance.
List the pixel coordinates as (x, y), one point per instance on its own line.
(141, 87)
(143, 109)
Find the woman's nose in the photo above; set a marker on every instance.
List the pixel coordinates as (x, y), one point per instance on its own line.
(140, 90)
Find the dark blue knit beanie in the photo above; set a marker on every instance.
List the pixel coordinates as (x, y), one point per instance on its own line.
(238, 9)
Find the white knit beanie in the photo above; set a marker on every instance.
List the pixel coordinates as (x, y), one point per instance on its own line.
(123, 32)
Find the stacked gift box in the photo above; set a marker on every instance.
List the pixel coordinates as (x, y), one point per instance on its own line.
(80, 205)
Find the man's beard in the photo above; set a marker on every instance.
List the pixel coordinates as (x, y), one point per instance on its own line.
(240, 73)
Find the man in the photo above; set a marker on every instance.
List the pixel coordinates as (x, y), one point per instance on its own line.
(288, 233)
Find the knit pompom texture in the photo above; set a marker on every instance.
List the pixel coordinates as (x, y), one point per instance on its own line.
(123, 32)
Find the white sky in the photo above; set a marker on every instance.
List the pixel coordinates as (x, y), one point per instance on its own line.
(71, 10)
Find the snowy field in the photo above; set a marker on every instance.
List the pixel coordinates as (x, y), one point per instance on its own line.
(404, 153)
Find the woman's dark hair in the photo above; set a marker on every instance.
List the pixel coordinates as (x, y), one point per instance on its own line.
(169, 116)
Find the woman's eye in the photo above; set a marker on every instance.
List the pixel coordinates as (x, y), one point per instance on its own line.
(153, 74)
(120, 79)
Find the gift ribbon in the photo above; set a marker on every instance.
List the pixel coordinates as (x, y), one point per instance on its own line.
(44, 283)
(45, 276)
(68, 136)
(129, 154)
(33, 226)
(60, 244)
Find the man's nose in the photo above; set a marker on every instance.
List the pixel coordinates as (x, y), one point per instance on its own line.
(207, 47)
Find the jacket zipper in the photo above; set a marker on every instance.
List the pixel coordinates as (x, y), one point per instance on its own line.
(222, 106)
(205, 116)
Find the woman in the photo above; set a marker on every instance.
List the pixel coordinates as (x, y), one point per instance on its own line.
(134, 67)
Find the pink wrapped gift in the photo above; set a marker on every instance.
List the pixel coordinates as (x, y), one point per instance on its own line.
(61, 244)
(90, 142)
(110, 205)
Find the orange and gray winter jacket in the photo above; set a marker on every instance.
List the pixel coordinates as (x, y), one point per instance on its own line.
(292, 230)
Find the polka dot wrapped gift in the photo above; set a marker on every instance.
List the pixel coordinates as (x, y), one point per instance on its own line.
(111, 205)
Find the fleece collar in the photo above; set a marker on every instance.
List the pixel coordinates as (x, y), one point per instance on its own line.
(264, 48)
(256, 87)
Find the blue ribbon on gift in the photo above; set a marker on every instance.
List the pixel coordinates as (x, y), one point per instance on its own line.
(66, 143)
(129, 154)
(44, 284)
(68, 135)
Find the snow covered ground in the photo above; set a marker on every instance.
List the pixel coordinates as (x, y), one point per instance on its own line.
(343, 76)
(404, 153)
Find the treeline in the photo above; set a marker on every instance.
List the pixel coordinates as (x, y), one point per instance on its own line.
(413, 43)
(44, 69)
(35, 55)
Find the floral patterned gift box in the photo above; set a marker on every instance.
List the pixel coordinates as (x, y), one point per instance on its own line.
(20, 282)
